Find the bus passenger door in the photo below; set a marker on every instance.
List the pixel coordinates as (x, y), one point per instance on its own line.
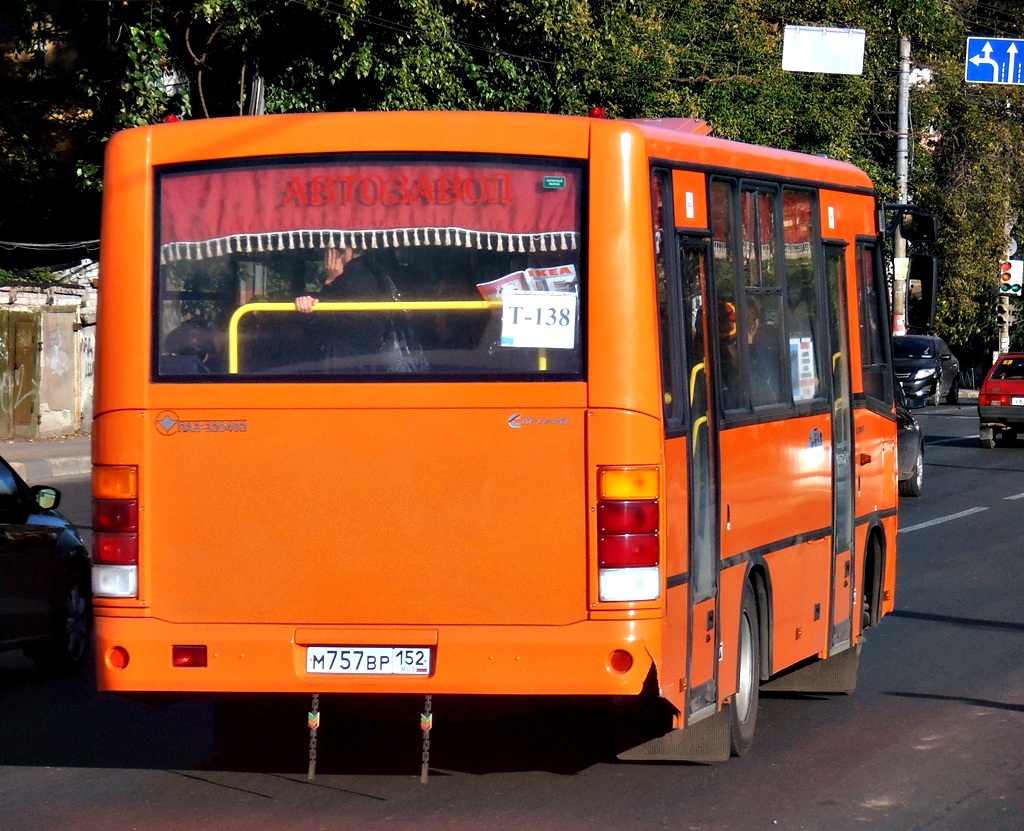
(843, 467)
(702, 669)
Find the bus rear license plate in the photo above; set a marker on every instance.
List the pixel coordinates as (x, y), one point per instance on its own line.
(1017, 400)
(368, 660)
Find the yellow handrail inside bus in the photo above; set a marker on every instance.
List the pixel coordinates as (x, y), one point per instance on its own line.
(360, 306)
(693, 380)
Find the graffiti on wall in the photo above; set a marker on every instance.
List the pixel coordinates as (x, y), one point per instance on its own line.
(56, 351)
(86, 375)
(87, 357)
(14, 392)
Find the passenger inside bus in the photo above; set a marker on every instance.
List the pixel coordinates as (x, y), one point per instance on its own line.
(762, 347)
(763, 379)
(348, 275)
(733, 396)
(357, 338)
(187, 349)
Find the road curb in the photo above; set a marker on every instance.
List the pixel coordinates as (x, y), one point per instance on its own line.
(41, 472)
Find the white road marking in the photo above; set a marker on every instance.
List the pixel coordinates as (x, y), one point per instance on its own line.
(950, 440)
(941, 519)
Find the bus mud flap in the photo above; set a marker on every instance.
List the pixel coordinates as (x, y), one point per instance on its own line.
(705, 741)
(837, 674)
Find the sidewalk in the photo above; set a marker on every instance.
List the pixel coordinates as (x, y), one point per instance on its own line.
(41, 461)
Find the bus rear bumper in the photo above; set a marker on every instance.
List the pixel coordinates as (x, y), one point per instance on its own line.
(585, 658)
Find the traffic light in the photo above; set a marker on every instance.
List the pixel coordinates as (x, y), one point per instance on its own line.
(1005, 316)
(1011, 277)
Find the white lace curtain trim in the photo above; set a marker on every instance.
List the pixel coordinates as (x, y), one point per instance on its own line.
(392, 238)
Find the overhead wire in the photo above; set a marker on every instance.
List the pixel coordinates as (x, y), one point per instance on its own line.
(88, 245)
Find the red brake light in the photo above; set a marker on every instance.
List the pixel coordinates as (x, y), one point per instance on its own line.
(115, 549)
(115, 525)
(115, 515)
(627, 550)
(629, 533)
(638, 516)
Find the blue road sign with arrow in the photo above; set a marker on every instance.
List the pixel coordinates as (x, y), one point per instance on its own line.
(995, 61)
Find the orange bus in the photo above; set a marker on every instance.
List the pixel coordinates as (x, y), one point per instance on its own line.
(477, 403)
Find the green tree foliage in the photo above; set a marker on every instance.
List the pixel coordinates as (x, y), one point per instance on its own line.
(73, 73)
(42, 123)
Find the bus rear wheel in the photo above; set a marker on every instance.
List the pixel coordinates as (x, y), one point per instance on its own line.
(743, 711)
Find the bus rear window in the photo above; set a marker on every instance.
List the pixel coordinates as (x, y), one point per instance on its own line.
(341, 267)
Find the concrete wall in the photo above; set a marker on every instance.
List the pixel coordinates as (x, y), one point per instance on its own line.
(86, 373)
(58, 378)
(61, 383)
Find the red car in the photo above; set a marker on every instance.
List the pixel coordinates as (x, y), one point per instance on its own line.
(1001, 400)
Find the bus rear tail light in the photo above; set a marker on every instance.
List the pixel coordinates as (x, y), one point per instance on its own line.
(628, 549)
(115, 522)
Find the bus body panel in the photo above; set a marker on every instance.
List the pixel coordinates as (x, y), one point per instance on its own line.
(461, 516)
(481, 660)
(800, 602)
(623, 304)
(778, 486)
(730, 604)
(677, 532)
(364, 516)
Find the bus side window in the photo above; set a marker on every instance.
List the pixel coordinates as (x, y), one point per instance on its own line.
(723, 232)
(660, 188)
(878, 376)
(764, 335)
(762, 307)
(801, 294)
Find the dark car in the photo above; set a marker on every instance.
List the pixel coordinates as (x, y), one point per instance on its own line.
(909, 447)
(1001, 401)
(45, 591)
(926, 368)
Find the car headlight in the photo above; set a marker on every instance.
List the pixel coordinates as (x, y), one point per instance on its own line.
(923, 373)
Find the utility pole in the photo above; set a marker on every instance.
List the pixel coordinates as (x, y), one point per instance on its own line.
(1008, 277)
(900, 262)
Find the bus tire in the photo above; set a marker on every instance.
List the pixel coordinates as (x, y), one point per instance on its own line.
(743, 710)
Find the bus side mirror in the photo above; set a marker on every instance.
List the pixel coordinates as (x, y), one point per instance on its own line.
(923, 282)
(917, 226)
(914, 224)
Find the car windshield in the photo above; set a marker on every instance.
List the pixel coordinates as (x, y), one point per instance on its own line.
(1009, 369)
(912, 348)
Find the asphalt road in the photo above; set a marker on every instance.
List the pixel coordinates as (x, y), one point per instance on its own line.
(932, 739)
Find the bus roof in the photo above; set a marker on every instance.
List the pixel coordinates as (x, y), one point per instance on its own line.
(674, 140)
(681, 140)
